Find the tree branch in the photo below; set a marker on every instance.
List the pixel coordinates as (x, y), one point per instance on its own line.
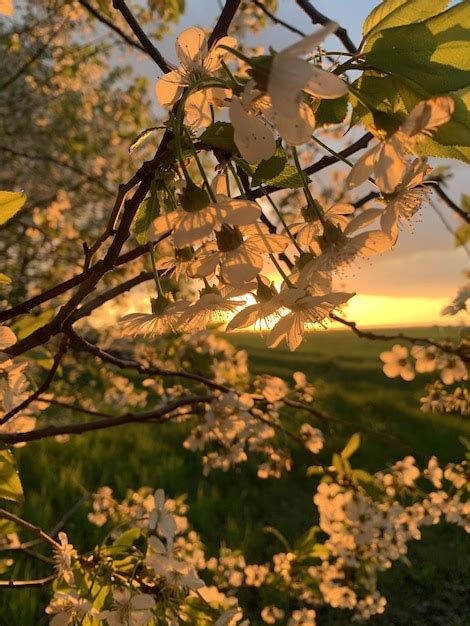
(104, 20)
(223, 23)
(40, 534)
(278, 20)
(450, 203)
(25, 584)
(85, 345)
(126, 418)
(319, 18)
(43, 387)
(122, 7)
(462, 352)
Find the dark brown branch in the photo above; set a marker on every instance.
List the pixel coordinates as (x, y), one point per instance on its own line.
(95, 303)
(107, 357)
(122, 7)
(278, 20)
(367, 198)
(223, 23)
(321, 164)
(319, 18)
(57, 290)
(25, 584)
(127, 418)
(43, 387)
(40, 534)
(104, 20)
(450, 203)
(462, 352)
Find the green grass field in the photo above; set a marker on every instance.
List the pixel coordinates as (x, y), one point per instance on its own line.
(236, 505)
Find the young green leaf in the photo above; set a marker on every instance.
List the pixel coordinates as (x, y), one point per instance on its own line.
(146, 213)
(10, 484)
(352, 445)
(10, 203)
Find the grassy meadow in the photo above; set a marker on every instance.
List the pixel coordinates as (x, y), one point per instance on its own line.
(346, 372)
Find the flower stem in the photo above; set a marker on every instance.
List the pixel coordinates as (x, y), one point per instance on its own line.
(310, 201)
(283, 222)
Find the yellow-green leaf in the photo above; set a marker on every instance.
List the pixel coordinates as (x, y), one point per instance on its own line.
(462, 235)
(5, 279)
(352, 445)
(10, 484)
(393, 13)
(10, 203)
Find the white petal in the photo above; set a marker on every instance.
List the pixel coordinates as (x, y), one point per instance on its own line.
(198, 109)
(364, 219)
(252, 137)
(428, 115)
(295, 128)
(323, 84)
(237, 212)
(169, 88)
(191, 46)
(363, 168)
(7, 337)
(389, 166)
(309, 43)
(193, 227)
(216, 53)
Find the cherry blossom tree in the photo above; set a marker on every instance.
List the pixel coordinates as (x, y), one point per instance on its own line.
(211, 213)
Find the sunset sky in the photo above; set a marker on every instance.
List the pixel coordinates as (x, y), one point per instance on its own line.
(411, 284)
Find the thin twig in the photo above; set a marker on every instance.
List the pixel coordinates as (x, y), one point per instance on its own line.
(28, 526)
(155, 415)
(463, 351)
(127, 14)
(25, 584)
(277, 20)
(319, 18)
(104, 20)
(43, 387)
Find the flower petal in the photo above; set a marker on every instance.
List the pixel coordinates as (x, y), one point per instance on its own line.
(198, 109)
(252, 137)
(191, 46)
(169, 88)
(217, 54)
(323, 84)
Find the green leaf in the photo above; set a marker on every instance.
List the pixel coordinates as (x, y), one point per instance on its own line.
(421, 60)
(352, 445)
(377, 15)
(104, 8)
(338, 463)
(29, 323)
(128, 538)
(220, 135)
(10, 484)
(431, 56)
(142, 137)
(391, 13)
(331, 111)
(5, 279)
(10, 203)
(146, 213)
(465, 203)
(462, 235)
(270, 168)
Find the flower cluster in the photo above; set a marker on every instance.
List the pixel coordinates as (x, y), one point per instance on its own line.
(427, 359)
(14, 389)
(251, 264)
